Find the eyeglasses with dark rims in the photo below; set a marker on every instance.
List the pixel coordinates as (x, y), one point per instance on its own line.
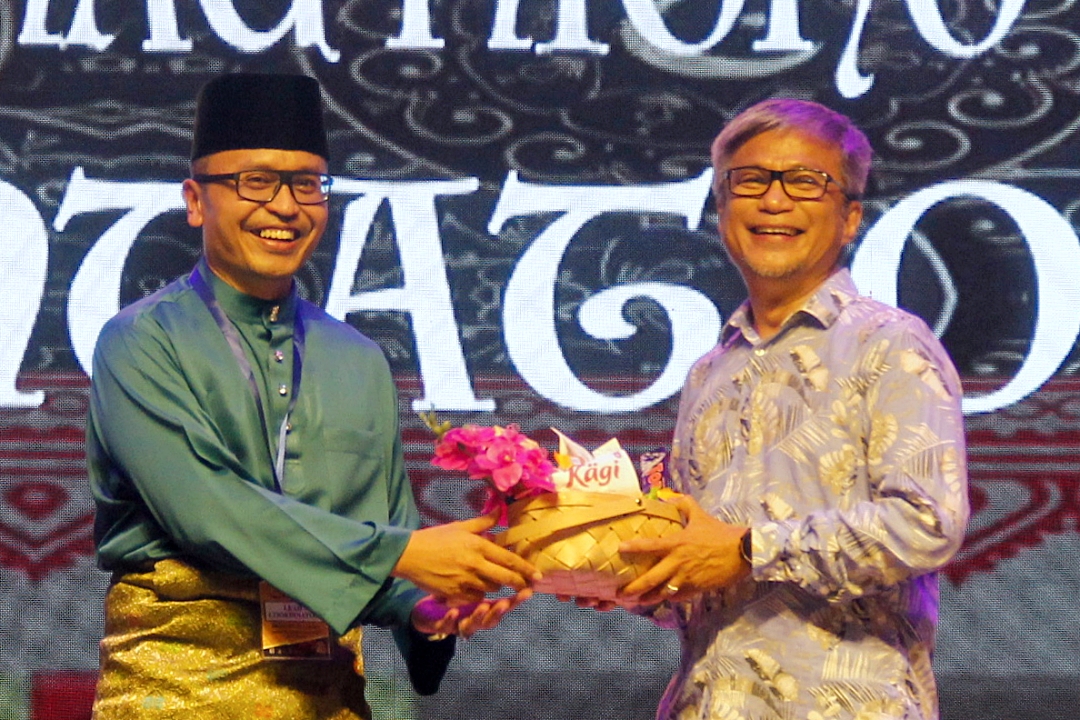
(798, 183)
(262, 186)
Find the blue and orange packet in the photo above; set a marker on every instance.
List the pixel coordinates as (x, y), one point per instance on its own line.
(655, 473)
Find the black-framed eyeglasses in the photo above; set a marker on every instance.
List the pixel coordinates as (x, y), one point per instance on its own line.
(262, 186)
(799, 183)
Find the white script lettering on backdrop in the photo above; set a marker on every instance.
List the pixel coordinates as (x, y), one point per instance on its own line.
(645, 33)
(529, 336)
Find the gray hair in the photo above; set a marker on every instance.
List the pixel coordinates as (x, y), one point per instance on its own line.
(805, 116)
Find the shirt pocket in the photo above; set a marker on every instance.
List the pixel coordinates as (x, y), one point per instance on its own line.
(348, 468)
(337, 467)
(363, 441)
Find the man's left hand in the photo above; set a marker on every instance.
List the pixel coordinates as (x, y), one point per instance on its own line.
(432, 616)
(701, 557)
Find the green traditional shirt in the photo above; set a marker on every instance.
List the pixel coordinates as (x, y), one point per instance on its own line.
(181, 466)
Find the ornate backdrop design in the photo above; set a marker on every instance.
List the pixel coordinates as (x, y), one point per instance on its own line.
(523, 223)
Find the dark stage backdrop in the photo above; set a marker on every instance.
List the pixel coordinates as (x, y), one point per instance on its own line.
(522, 221)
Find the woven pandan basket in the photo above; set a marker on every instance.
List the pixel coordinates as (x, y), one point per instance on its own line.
(573, 539)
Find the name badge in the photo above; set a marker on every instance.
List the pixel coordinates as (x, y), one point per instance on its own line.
(289, 630)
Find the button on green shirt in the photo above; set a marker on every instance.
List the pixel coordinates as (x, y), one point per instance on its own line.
(181, 466)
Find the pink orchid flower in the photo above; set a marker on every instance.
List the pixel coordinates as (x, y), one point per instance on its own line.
(515, 465)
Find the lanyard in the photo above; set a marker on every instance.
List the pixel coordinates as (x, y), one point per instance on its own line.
(202, 289)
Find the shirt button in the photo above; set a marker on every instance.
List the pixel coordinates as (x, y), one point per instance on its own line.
(283, 390)
(760, 351)
(279, 356)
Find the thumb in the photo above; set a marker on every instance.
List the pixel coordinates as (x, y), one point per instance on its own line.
(685, 504)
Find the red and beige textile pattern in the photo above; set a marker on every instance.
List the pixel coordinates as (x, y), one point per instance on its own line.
(46, 517)
(1028, 449)
(1024, 472)
(1024, 467)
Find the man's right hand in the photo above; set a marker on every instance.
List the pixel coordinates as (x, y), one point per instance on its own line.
(457, 565)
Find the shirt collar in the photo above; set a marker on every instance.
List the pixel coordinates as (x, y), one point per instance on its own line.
(824, 306)
(243, 308)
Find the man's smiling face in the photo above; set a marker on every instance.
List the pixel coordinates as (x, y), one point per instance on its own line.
(779, 242)
(255, 247)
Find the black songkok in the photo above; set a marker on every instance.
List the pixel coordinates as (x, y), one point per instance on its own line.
(244, 111)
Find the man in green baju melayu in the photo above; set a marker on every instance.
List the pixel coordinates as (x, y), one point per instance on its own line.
(246, 462)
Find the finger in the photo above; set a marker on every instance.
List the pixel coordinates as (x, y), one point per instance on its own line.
(654, 597)
(469, 627)
(447, 624)
(519, 597)
(639, 588)
(651, 596)
(465, 596)
(653, 578)
(475, 576)
(494, 615)
(488, 615)
(509, 561)
(483, 613)
(507, 604)
(685, 504)
(444, 625)
(495, 577)
(478, 524)
(469, 609)
(484, 617)
(687, 507)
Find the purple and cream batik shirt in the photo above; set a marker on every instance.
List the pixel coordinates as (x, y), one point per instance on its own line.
(840, 442)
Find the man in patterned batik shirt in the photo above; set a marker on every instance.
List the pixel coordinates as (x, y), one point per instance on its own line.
(820, 448)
